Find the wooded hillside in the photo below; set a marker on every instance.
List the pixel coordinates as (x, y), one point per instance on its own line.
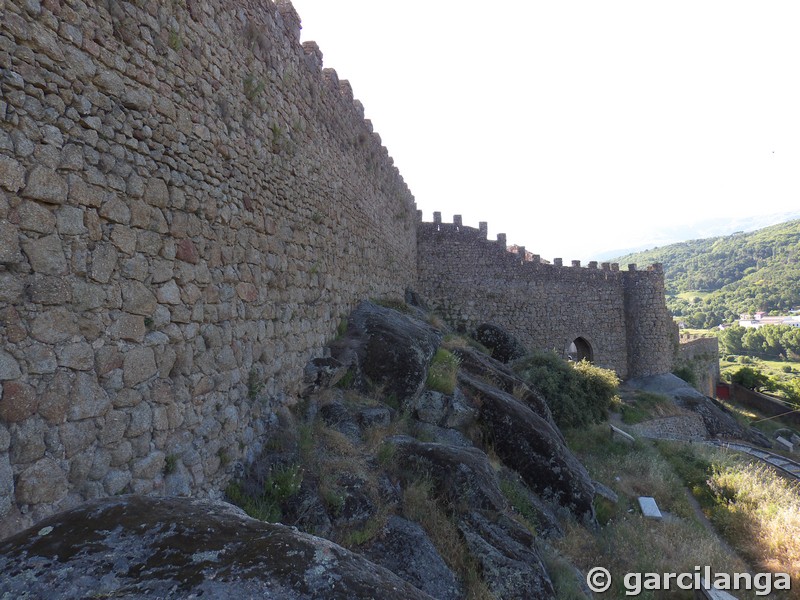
(712, 281)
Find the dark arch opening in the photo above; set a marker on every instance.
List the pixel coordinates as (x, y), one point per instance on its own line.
(579, 349)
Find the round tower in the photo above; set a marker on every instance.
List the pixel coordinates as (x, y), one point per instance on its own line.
(652, 336)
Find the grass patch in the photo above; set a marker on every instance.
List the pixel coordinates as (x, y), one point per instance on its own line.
(604, 510)
(452, 341)
(635, 544)
(305, 442)
(254, 384)
(626, 542)
(756, 510)
(174, 40)
(341, 328)
(398, 305)
(346, 382)
(283, 483)
(759, 512)
(693, 467)
(520, 502)
(420, 505)
(253, 87)
(443, 371)
(565, 578)
(362, 535)
(385, 455)
(644, 406)
(631, 470)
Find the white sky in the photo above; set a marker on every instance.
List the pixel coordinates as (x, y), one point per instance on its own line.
(578, 127)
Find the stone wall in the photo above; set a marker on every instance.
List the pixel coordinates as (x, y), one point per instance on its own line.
(620, 315)
(769, 406)
(701, 356)
(189, 204)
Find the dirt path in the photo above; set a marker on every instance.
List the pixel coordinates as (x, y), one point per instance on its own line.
(698, 511)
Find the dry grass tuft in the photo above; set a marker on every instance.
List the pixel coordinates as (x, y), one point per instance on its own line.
(419, 505)
(760, 512)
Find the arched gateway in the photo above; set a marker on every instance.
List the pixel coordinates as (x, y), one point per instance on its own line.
(580, 349)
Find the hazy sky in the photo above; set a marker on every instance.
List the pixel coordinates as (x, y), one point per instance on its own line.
(577, 127)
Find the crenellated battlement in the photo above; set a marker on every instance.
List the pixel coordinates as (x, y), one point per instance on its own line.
(457, 233)
(620, 315)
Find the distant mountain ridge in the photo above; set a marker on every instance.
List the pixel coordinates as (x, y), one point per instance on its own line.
(713, 280)
(718, 227)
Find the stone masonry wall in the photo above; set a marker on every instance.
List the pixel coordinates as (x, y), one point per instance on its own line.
(621, 314)
(189, 204)
(701, 356)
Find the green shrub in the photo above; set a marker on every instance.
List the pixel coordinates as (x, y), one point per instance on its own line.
(443, 371)
(254, 384)
(170, 464)
(577, 393)
(283, 483)
(564, 576)
(346, 382)
(253, 87)
(597, 382)
(752, 379)
(686, 374)
(385, 454)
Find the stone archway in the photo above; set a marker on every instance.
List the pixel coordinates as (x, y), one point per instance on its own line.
(580, 349)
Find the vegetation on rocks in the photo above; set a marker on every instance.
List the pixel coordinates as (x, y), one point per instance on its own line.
(578, 394)
(442, 372)
(457, 481)
(419, 436)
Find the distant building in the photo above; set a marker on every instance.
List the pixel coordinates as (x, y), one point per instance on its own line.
(760, 319)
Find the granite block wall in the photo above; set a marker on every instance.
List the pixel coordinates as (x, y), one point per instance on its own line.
(189, 204)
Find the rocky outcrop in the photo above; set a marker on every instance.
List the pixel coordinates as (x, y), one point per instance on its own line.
(459, 475)
(136, 547)
(510, 564)
(404, 548)
(504, 346)
(718, 422)
(533, 447)
(387, 349)
(465, 481)
(497, 374)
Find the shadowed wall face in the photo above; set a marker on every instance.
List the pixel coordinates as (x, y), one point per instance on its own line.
(189, 204)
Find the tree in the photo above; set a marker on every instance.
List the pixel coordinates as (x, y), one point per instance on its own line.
(752, 379)
(730, 340)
